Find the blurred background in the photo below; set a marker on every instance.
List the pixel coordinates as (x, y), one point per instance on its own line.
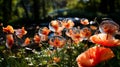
(27, 12)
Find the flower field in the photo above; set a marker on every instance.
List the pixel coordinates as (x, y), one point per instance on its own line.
(62, 44)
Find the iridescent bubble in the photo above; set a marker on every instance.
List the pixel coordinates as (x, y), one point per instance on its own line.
(85, 33)
(84, 21)
(57, 41)
(56, 26)
(75, 35)
(71, 31)
(43, 31)
(109, 27)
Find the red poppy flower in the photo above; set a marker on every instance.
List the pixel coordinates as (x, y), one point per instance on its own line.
(105, 40)
(8, 29)
(9, 40)
(93, 56)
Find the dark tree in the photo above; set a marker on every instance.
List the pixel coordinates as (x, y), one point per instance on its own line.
(107, 6)
(111, 4)
(36, 8)
(6, 9)
(25, 8)
(43, 8)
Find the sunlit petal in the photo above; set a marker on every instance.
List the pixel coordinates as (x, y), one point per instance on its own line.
(8, 29)
(93, 56)
(105, 40)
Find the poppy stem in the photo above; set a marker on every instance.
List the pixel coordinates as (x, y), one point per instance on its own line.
(10, 52)
(107, 37)
(96, 21)
(57, 52)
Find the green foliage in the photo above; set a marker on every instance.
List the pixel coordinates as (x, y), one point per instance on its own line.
(44, 57)
(72, 3)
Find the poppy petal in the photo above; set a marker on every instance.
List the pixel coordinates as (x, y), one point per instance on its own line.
(93, 56)
(9, 40)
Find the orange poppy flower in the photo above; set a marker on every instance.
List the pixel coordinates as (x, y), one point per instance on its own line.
(1, 24)
(44, 38)
(76, 37)
(105, 40)
(69, 32)
(9, 41)
(84, 21)
(37, 38)
(8, 29)
(56, 26)
(56, 59)
(93, 56)
(68, 24)
(93, 27)
(26, 42)
(109, 27)
(44, 31)
(74, 33)
(20, 32)
(57, 41)
(57, 33)
(85, 32)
